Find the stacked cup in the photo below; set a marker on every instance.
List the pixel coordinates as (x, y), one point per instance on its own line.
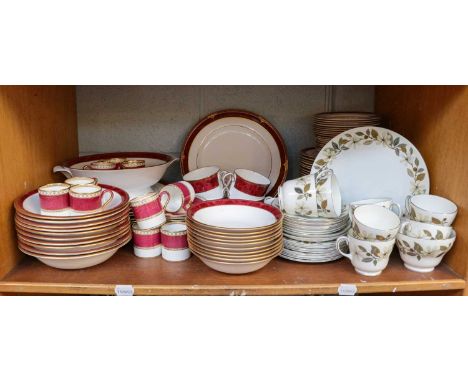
(151, 235)
(427, 235)
(372, 235)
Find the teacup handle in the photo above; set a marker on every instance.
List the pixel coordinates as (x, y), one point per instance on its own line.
(338, 242)
(167, 199)
(108, 200)
(395, 207)
(64, 170)
(407, 204)
(271, 201)
(227, 179)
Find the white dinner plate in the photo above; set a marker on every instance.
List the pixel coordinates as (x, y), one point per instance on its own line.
(234, 140)
(373, 162)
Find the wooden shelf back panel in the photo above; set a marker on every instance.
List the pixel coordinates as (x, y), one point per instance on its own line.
(435, 119)
(38, 127)
(159, 277)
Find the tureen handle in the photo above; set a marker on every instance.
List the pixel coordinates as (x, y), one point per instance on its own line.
(64, 170)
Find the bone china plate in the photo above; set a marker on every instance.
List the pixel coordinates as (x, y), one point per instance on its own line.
(234, 139)
(371, 162)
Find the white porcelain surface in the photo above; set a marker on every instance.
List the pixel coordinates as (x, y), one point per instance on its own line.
(423, 255)
(370, 161)
(76, 262)
(152, 222)
(32, 204)
(383, 202)
(175, 255)
(368, 258)
(425, 230)
(135, 181)
(77, 181)
(431, 209)
(375, 222)
(234, 193)
(234, 143)
(234, 216)
(147, 252)
(233, 268)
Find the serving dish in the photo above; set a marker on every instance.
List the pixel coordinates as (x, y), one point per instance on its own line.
(233, 139)
(136, 181)
(373, 162)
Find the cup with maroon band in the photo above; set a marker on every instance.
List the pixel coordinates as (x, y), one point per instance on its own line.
(80, 180)
(208, 182)
(146, 242)
(89, 198)
(101, 165)
(54, 199)
(248, 185)
(133, 163)
(179, 196)
(148, 210)
(174, 242)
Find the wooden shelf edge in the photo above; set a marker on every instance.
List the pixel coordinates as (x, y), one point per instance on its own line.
(234, 290)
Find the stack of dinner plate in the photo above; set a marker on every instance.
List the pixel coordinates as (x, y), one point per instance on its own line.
(235, 236)
(74, 241)
(312, 240)
(306, 160)
(328, 125)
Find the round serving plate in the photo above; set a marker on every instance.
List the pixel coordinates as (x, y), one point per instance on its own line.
(135, 181)
(235, 269)
(29, 205)
(65, 228)
(235, 215)
(72, 242)
(236, 139)
(374, 162)
(78, 251)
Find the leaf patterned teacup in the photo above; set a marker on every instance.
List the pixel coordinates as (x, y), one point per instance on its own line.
(423, 255)
(431, 209)
(425, 230)
(372, 222)
(369, 258)
(383, 202)
(311, 195)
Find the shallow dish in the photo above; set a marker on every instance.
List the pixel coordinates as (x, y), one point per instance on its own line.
(136, 181)
(231, 268)
(234, 253)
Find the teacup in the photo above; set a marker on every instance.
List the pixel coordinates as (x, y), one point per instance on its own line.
(423, 255)
(88, 198)
(207, 182)
(149, 210)
(146, 242)
(178, 197)
(431, 209)
(248, 185)
(174, 241)
(425, 230)
(54, 199)
(101, 165)
(383, 202)
(80, 181)
(132, 163)
(368, 257)
(311, 195)
(372, 222)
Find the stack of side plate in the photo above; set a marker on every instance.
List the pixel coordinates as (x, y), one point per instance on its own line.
(312, 240)
(235, 236)
(75, 241)
(306, 160)
(329, 125)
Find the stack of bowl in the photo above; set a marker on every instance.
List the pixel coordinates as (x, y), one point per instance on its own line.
(427, 235)
(235, 236)
(306, 160)
(73, 241)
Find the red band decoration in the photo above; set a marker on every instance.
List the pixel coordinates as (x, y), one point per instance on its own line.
(85, 204)
(147, 210)
(250, 188)
(174, 242)
(54, 202)
(206, 184)
(147, 241)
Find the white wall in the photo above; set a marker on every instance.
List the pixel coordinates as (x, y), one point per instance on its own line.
(157, 118)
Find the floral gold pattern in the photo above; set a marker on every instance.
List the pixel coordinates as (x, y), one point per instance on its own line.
(418, 251)
(373, 256)
(370, 136)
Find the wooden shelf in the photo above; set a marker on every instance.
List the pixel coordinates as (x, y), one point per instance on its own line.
(192, 277)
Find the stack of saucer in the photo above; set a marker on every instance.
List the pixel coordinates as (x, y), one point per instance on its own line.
(312, 239)
(328, 125)
(306, 160)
